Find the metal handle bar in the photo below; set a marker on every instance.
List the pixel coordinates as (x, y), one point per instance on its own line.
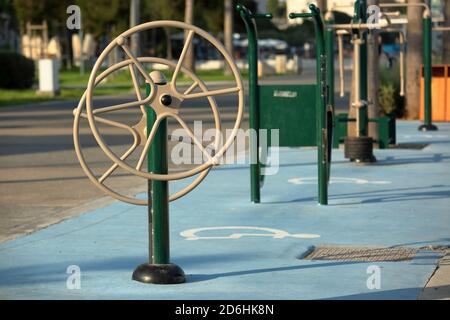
(245, 12)
(300, 15)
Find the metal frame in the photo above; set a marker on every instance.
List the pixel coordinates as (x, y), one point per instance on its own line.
(255, 167)
(402, 39)
(359, 29)
(427, 63)
(324, 111)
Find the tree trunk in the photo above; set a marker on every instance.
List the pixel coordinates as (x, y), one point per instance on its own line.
(189, 61)
(228, 31)
(373, 80)
(322, 4)
(134, 21)
(414, 60)
(168, 44)
(446, 35)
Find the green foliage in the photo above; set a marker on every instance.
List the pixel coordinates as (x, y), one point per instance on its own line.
(209, 15)
(277, 8)
(272, 6)
(98, 17)
(29, 11)
(299, 34)
(389, 92)
(53, 11)
(72, 84)
(6, 7)
(17, 71)
(164, 10)
(387, 99)
(341, 18)
(111, 17)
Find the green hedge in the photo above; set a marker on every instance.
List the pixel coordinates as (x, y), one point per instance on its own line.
(16, 71)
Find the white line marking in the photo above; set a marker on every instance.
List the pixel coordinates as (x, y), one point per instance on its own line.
(426, 136)
(191, 234)
(339, 180)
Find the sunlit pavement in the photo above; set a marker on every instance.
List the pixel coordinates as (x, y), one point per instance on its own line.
(41, 181)
(403, 200)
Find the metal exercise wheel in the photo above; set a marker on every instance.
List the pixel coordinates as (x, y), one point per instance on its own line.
(162, 101)
(154, 100)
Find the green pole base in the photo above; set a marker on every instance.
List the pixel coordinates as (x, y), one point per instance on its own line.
(159, 274)
(427, 127)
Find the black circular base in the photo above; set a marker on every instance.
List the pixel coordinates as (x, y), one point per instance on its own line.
(359, 149)
(427, 127)
(159, 274)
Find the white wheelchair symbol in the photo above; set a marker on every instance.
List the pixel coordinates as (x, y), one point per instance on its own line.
(192, 234)
(340, 180)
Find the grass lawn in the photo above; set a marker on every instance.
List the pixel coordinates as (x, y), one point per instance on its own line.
(16, 97)
(73, 85)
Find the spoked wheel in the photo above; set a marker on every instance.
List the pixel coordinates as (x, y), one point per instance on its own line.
(165, 100)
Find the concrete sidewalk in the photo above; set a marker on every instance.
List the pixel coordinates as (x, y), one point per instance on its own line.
(401, 201)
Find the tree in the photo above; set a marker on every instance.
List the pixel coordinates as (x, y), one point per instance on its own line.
(29, 11)
(99, 16)
(272, 6)
(53, 11)
(135, 10)
(164, 10)
(209, 15)
(189, 60)
(414, 60)
(228, 30)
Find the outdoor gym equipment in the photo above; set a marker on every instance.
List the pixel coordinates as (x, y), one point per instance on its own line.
(386, 124)
(303, 114)
(163, 100)
(360, 147)
(427, 48)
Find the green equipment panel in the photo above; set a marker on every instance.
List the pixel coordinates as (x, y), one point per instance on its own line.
(292, 110)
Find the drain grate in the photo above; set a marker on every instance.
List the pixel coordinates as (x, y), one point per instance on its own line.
(410, 146)
(364, 254)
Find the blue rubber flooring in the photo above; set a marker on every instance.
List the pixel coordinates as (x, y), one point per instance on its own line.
(232, 249)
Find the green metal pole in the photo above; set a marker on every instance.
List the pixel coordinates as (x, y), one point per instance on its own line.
(361, 16)
(255, 167)
(329, 49)
(427, 47)
(158, 270)
(323, 90)
(157, 163)
(321, 101)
